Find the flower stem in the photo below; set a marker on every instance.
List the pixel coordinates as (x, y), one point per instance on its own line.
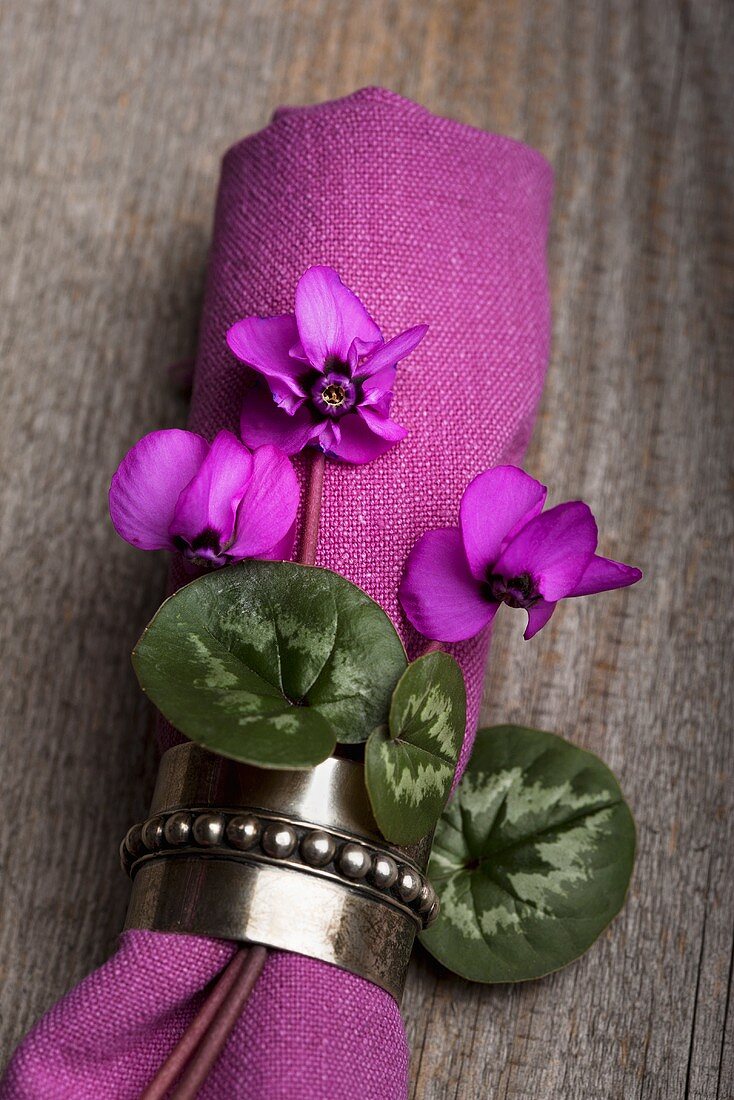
(430, 647)
(197, 1029)
(199, 1047)
(312, 508)
(215, 1038)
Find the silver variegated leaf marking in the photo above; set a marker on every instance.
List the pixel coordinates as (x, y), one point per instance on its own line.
(271, 662)
(409, 765)
(531, 860)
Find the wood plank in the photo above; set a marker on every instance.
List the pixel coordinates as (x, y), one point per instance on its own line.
(113, 120)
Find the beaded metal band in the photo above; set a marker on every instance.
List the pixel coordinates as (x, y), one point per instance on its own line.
(261, 837)
(289, 859)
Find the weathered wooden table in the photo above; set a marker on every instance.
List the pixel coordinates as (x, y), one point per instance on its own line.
(112, 123)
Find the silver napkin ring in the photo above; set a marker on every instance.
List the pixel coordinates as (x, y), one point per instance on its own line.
(289, 859)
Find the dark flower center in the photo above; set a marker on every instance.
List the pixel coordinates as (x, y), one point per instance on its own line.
(520, 591)
(334, 393)
(208, 539)
(204, 549)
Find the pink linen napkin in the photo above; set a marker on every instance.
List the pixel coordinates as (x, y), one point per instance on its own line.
(428, 221)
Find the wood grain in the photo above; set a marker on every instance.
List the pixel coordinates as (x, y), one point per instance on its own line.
(112, 121)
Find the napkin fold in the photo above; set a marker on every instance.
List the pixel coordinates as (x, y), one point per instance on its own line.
(427, 220)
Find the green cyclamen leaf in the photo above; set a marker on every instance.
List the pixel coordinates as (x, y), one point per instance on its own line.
(409, 765)
(531, 860)
(271, 662)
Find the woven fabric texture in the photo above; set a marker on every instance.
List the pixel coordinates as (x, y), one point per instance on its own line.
(428, 221)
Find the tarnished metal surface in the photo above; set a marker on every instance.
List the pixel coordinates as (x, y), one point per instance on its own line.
(237, 852)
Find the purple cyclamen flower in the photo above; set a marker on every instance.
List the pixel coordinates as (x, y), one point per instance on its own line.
(505, 551)
(330, 373)
(215, 504)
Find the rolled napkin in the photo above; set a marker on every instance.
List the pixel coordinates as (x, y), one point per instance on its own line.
(427, 220)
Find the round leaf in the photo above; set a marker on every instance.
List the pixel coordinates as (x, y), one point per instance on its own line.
(531, 860)
(409, 766)
(271, 662)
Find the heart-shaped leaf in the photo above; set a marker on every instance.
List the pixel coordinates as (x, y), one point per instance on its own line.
(409, 765)
(271, 662)
(531, 860)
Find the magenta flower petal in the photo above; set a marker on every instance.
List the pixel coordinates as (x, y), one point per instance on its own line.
(324, 368)
(603, 574)
(205, 513)
(148, 482)
(283, 549)
(264, 343)
(439, 595)
(553, 549)
(394, 350)
(377, 390)
(330, 317)
(262, 422)
(538, 616)
(268, 508)
(495, 504)
(382, 425)
(508, 552)
(329, 437)
(361, 349)
(364, 436)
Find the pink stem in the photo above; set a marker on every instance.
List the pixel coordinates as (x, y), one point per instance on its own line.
(312, 509)
(213, 1042)
(211, 1027)
(190, 1039)
(431, 647)
(220, 1012)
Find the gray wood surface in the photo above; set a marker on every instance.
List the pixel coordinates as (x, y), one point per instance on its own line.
(113, 117)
